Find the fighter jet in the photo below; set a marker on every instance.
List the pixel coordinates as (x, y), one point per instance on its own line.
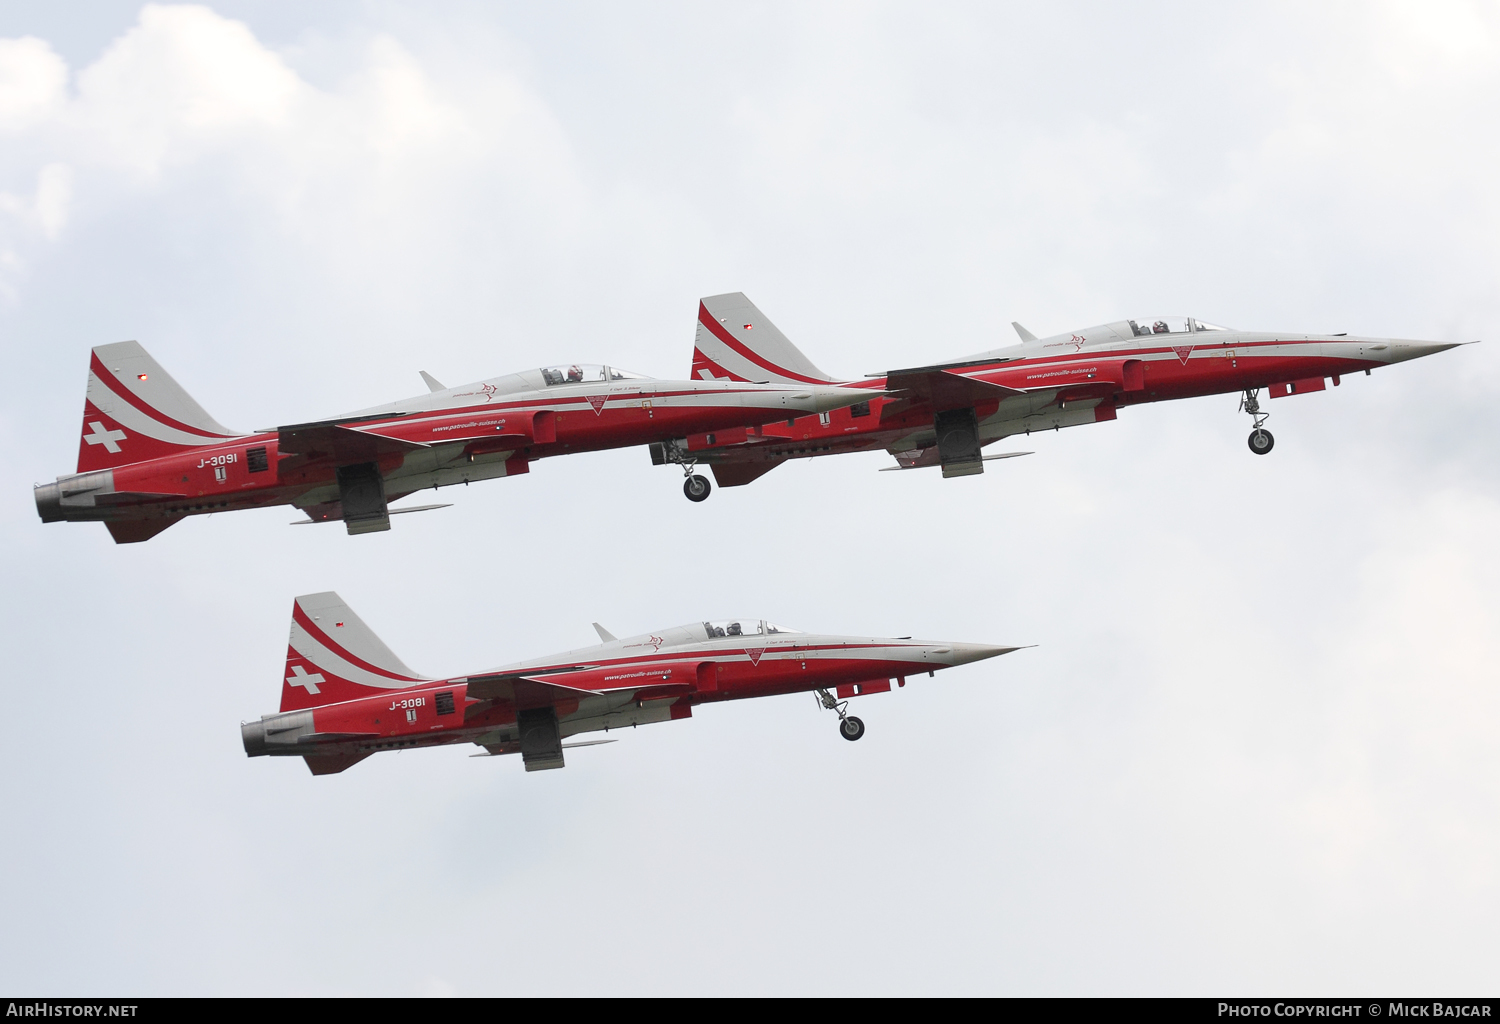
(345, 696)
(944, 414)
(150, 456)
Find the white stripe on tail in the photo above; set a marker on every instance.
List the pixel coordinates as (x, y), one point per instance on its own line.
(736, 341)
(134, 411)
(333, 656)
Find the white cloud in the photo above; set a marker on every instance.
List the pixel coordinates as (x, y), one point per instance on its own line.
(33, 83)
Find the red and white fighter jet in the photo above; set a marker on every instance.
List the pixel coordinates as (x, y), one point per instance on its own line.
(943, 414)
(151, 456)
(345, 696)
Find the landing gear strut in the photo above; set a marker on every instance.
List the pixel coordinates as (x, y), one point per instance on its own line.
(1261, 441)
(695, 487)
(850, 728)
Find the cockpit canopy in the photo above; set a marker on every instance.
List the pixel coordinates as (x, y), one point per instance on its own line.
(743, 627)
(1171, 325)
(585, 373)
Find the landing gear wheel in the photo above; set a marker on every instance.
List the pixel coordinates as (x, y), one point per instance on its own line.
(851, 728)
(1261, 441)
(696, 487)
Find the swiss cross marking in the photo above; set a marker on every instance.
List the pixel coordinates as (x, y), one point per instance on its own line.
(597, 401)
(300, 677)
(1183, 351)
(109, 438)
(755, 653)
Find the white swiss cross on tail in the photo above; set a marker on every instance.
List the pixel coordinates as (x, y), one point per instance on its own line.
(109, 438)
(300, 677)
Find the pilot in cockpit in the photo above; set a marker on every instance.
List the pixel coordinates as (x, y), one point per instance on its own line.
(1160, 327)
(575, 374)
(734, 629)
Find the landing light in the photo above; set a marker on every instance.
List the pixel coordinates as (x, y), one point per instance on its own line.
(140, 376)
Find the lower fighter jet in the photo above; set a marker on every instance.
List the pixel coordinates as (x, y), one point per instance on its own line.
(150, 456)
(945, 413)
(345, 696)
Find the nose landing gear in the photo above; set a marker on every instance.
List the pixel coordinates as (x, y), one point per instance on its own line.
(1261, 441)
(850, 728)
(696, 487)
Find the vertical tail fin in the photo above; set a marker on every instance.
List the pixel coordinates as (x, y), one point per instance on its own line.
(333, 656)
(736, 341)
(134, 410)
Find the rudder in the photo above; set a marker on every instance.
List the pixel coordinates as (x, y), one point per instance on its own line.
(134, 410)
(736, 341)
(333, 656)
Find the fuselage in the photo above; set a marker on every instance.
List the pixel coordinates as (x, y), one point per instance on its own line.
(1081, 377)
(138, 464)
(358, 709)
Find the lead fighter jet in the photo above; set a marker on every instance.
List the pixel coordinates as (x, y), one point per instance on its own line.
(345, 696)
(943, 414)
(151, 456)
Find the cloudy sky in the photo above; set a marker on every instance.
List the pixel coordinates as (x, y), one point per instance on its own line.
(1255, 748)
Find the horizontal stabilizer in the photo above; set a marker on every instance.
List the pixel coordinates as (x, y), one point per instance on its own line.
(738, 474)
(133, 531)
(332, 764)
(929, 457)
(331, 441)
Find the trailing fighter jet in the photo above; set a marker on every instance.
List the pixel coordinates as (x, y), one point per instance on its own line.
(944, 414)
(345, 696)
(150, 456)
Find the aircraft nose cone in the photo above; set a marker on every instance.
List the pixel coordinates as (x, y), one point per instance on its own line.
(1401, 351)
(963, 654)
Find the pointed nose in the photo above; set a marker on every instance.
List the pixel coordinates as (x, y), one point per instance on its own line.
(963, 654)
(1401, 351)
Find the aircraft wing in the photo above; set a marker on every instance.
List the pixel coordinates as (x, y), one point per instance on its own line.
(330, 440)
(534, 691)
(523, 690)
(942, 389)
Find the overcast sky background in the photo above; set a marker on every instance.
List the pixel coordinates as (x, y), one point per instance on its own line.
(1255, 748)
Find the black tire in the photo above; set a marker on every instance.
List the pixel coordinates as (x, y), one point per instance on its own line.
(1261, 442)
(851, 728)
(696, 487)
